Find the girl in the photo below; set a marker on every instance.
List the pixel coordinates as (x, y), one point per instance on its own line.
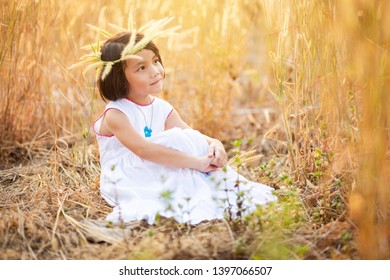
(152, 162)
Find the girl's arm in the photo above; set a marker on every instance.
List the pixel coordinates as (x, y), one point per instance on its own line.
(216, 147)
(119, 125)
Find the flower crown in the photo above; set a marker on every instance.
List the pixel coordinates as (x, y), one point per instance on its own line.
(150, 30)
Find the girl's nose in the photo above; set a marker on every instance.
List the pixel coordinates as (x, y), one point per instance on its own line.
(155, 73)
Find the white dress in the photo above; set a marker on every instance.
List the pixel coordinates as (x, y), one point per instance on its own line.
(140, 189)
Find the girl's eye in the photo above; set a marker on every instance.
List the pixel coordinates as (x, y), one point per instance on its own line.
(141, 68)
(156, 61)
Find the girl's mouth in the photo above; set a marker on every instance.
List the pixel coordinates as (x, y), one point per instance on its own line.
(156, 82)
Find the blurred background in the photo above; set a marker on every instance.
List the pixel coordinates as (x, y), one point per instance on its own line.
(304, 81)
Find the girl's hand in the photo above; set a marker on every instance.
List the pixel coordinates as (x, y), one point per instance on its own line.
(204, 163)
(217, 149)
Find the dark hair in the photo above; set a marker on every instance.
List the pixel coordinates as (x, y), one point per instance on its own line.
(115, 85)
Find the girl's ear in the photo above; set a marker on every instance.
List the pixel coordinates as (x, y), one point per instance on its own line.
(128, 87)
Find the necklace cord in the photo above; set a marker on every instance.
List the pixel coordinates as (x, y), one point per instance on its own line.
(147, 129)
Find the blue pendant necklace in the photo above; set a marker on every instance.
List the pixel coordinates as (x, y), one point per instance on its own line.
(147, 129)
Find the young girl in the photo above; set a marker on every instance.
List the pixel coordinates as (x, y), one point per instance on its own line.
(152, 162)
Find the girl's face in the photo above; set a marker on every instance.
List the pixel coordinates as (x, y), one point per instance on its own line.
(144, 74)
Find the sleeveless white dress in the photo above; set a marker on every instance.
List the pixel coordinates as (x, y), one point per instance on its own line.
(139, 189)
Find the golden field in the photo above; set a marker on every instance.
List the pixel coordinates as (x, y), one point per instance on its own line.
(298, 91)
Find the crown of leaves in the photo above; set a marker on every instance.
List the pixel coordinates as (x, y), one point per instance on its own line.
(150, 30)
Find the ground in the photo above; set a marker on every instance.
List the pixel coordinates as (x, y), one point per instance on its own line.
(51, 209)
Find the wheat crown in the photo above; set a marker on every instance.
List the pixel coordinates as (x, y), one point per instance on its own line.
(151, 30)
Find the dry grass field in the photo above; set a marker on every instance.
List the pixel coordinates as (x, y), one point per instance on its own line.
(298, 91)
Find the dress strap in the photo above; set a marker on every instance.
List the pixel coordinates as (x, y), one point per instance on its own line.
(116, 105)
